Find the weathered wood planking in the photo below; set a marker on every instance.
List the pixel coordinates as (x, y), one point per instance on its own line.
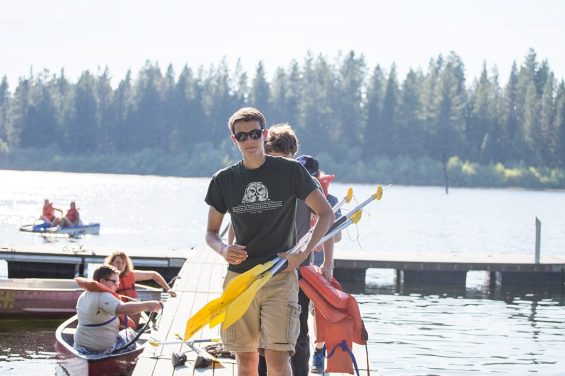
(201, 280)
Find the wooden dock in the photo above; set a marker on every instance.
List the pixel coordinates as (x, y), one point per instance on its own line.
(432, 268)
(200, 281)
(350, 266)
(69, 262)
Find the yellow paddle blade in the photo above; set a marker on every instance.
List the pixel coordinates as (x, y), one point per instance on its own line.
(356, 217)
(201, 318)
(349, 195)
(218, 317)
(233, 289)
(239, 306)
(379, 192)
(245, 279)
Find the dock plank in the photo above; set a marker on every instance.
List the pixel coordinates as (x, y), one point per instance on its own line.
(201, 279)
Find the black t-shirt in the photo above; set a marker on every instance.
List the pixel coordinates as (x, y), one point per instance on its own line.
(261, 203)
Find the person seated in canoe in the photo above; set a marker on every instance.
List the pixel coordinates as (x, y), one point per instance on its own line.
(98, 331)
(128, 276)
(48, 213)
(72, 218)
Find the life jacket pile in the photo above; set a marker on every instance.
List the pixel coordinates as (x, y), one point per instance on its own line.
(338, 319)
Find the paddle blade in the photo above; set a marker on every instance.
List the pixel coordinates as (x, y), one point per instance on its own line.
(349, 195)
(379, 193)
(217, 318)
(239, 283)
(356, 217)
(239, 306)
(214, 309)
(202, 317)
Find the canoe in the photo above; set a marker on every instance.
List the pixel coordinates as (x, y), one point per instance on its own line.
(83, 365)
(49, 297)
(83, 229)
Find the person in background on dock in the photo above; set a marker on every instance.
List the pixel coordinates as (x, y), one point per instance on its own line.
(98, 331)
(128, 276)
(48, 214)
(270, 326)
(283, 142)
(322, 259)
(72, 218)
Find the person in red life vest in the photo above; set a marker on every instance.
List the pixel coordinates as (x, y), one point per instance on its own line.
(128, 276)
(98, 331)
(72, 218)
(48, 214)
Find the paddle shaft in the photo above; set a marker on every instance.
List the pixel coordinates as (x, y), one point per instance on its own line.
(159, 343)
(304, 240)
(281, 261)
(345, 217)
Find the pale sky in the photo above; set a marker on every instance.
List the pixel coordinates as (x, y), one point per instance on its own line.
(121, 34)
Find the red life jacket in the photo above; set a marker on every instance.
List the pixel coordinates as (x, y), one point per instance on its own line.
(325, 181)
(72, 215)
(338, 320)
(92, 285)
(49, 212)
(127, 285)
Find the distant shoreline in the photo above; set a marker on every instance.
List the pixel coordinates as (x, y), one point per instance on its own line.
(384, 170)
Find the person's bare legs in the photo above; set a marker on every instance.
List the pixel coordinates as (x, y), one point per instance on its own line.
(247, 363)
(277, 363)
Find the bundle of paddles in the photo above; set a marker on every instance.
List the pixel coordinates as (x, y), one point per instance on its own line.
(338, 319)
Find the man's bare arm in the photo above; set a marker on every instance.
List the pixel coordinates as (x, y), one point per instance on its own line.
(318, 203)
(234, 254)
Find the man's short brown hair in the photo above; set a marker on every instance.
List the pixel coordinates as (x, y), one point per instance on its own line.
(246, 114)
(281, 139)
(104, 272)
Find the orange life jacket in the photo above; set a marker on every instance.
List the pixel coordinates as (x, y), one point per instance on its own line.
(49, 212)
(325, 181)
(338, 320)
(92, 285)
(72, 215)
(127, 285)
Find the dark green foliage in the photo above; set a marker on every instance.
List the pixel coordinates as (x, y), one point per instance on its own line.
(364, 124)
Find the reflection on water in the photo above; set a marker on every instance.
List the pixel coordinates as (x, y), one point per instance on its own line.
(27, 347)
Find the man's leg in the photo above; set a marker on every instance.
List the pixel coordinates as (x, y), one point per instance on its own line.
(279, 322)
(301, 358)
(243, 336)
(277, 362)
(247, 363)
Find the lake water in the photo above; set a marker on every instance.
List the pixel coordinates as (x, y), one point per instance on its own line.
(432, 331)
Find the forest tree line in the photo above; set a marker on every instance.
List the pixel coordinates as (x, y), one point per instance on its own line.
(363, 123)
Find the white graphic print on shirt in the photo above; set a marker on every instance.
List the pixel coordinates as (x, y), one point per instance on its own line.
(256, 200)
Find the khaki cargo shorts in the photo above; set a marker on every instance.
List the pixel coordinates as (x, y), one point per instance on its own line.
(272, 320)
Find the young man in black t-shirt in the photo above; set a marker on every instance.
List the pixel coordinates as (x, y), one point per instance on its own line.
(260, 194)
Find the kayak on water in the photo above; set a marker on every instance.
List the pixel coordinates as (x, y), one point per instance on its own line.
(80, 229)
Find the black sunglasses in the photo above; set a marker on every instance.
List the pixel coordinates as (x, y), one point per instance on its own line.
(255, 134)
